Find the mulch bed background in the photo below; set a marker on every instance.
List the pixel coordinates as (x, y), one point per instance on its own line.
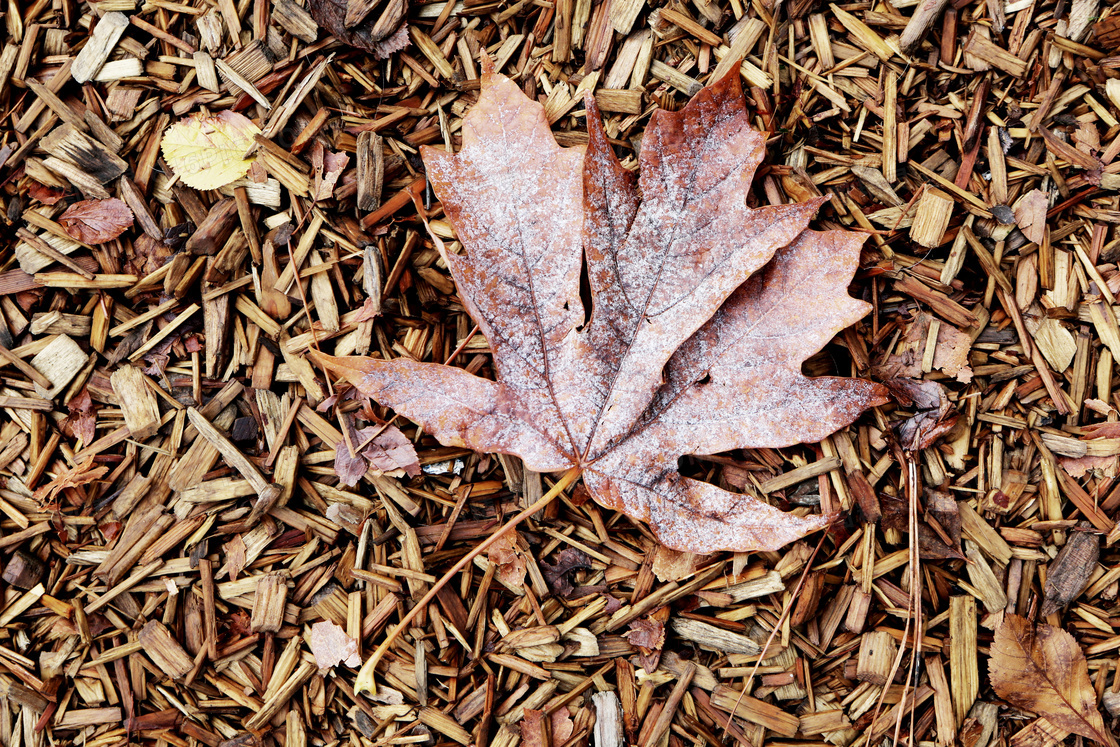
(143, 599)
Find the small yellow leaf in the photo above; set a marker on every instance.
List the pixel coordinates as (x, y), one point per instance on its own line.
(208, 152)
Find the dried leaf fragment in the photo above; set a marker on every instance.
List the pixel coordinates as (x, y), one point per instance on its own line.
(208, 152)
(703, 311)
(1043, 670)
(350, 21)
(506, 556)
(331, 646)
(96, 221)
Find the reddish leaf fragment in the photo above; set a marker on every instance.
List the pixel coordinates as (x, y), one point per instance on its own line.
(347, 466)
(534, 729)
(703, 310)
(506, 555)
(82, 421)
(328, 167)
(383, 448)
(80, 474)
(44, 194)
(96, 221)
(562, 726)
(388, 449)
(647, 634)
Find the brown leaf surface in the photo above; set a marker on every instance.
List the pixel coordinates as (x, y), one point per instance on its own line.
(703, 311)
(96, 221)
(509, 565)
(1042, 669)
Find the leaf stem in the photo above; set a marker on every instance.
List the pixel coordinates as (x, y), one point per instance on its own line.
(364, 680)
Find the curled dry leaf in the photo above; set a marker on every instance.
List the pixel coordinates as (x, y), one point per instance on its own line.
(379, 29)
(506, 556)
(96, 221)
(703, 310)
(72, 477)
(1042, 669)
(558, 574)
(208, 151)
(82, 421)
(647, 634)
(935, 414)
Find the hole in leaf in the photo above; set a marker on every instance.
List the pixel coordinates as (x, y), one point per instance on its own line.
(585, 293)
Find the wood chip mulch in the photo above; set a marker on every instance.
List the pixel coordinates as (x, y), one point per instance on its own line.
(158, 588)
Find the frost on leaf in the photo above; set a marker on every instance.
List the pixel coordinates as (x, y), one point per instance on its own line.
(208, 152)
(703, 310)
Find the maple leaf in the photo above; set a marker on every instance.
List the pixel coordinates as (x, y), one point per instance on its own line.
(96, 221)
(208, 152)
(703, 310)
(1043, 670)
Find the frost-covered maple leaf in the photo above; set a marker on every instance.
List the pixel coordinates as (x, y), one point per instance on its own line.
(703, 310)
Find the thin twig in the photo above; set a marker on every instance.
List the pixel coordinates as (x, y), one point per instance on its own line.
(364, 680)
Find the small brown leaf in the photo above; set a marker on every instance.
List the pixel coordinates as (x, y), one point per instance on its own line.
(703, 311)
(327, 167)
(647, 634)
(1030, 215)
(935, 416)
(82, 420)
(1043, 670)
(562, 726)
(96, 221)
(567, 562)
(672, 565)
(534, 729)
(381, 33)
(506, 555)
(388, 449)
